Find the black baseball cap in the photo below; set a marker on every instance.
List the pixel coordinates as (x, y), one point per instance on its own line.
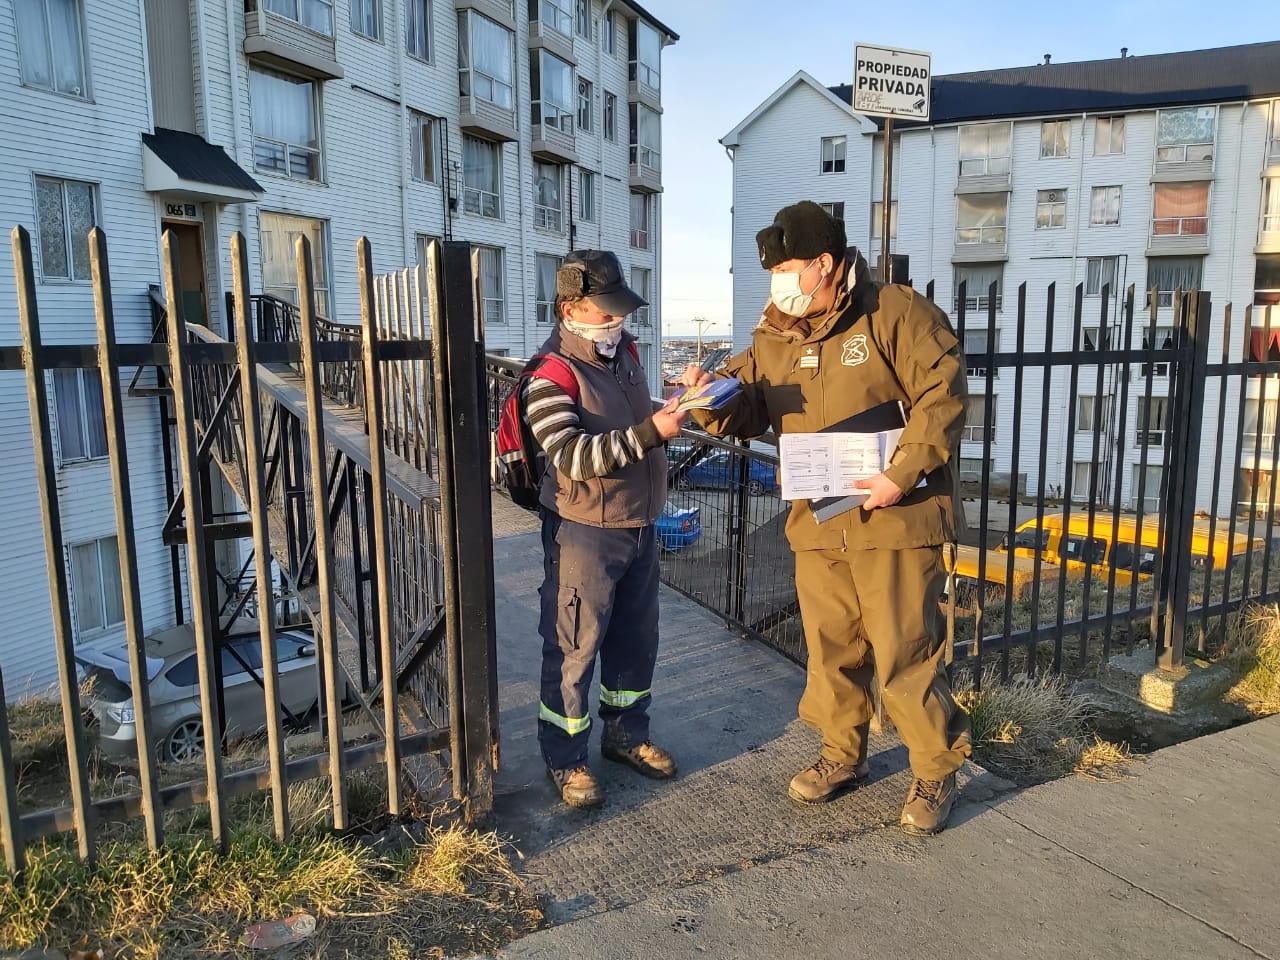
(597, 275)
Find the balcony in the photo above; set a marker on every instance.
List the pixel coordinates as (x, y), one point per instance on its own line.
(1183, 162)
(543, 36)
(499, 11)
(646, 170)
(553, 136)
(486, 119)
(285, 43)
(646, 89)
(1178, 236)
(984, 175)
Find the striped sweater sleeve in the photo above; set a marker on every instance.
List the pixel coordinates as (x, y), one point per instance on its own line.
(579, 455)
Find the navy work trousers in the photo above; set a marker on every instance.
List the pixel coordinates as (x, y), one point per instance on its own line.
(599, 596)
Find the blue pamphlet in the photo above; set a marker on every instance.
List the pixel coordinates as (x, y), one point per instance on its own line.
(709, 396)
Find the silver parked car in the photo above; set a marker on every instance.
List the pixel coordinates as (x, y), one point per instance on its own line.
(173, 677)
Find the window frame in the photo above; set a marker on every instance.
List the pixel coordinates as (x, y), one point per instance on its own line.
(545, 216)
(470, 191)
(92, 441)
(989, 336)
(423, 55)
(1145, 435)
(1047, 204)
(469, 70)
(486, 301)
(1106, 195)
(297, 15)
(1172, 148)
(1094, 289)
(289, 148)
(562, 24)
(563, 115)
(609, 34)
(545, 300)
(839, 154)
(586, 104)
(68, 239)
(640, 234)
(1111, 137)
(979, 303)
(976, 432)
(992, 164)
(1201, 220)
(1060, 140)
(588, 192)
(322, 267)
(422, 149)
(647, 156)
(375, 7)
(641, 279)
(80, 602)
(582, 19)
(877, 219)
(987, 233)
(85, 91)
(609, 117)
(641, 72)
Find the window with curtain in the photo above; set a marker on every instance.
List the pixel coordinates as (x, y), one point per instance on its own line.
(877, 220)
(586, 196)
(545, 268)
(586, 98)
(1167, 274)
(278, 236)
(977, 279)
(1266, 282)
(1185, 135)
(1092, 415)
(285, 136)
(609, 119)
(977, 345)
(1108, 136)
(1180, 209)
(981, 217)
(835, 209)
(1152, 422)
(51, 48)
(82, 425)
(1051, 209)
(554, 14)
(548, 199)
(66, 210)
(640, 221)
(984, 149)
(608, 34)
(417, 28)
(1055, 139)
(1271, 205)
(833, 154)
(1104, 206)
(493, 284)
(640, 284)
(646, 55)
(366, 18)
(315, 15)
(1259, 434)
(1146, 483)
(1101, 272)
(422, 146)
(646, 133)
(979, 419)
(485, 60)
(482, 177)
(95, 584)
(552, 82)
(582, 20)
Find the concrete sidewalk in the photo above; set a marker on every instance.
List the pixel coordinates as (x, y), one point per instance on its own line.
(1183, 856)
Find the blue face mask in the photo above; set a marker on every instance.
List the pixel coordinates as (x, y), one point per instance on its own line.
(786, 294)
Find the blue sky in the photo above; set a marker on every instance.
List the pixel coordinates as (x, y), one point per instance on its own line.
(733, 54)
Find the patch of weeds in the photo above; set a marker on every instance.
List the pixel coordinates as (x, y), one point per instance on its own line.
(1252, 649)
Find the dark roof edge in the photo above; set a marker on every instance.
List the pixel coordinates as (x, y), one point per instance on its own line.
(646, 15)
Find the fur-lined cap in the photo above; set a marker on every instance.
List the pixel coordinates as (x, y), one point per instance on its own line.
(801, 231)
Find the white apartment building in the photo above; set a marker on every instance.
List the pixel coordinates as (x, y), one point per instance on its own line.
(1159, 171)
(525, 127)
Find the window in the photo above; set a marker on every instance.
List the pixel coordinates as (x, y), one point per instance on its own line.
(1153, 421)
(1266, 280)
(492, 284)
(640, 284)
(51, 45)
(979, 419)
(877, 220)
(82, 425)
(984, 149)
(485, 60)
(66, 210)
(1055, 139)
(315, 15)
(1101, 272)
(1271, 205)
(1095, 338)
(977, 345)
(285, 135)
(610, 119)
(582, 22)
(1185, 135)
(608, 34)
(646, 55)
(366, 18)
(981, 217)
(1181, 209)
(977, 279)
(278, 234)
(95, 584)
(546, 267)
(646, 143)
(1259, 436)
(1104, 206)
(548, 204)
(1149, 480)
(417, 28)
(640, 221)
(586, 196)
(1082, 549)
(834, 209)
(482, 177)
(1167, 274)
(1091, 415)
(554, 14)
(1108, 136)
(833, 153)
(552, 83)
(1083, 477)
(422, 243)
(1162, 340)
(586, 97)
(422, 146)
(1273, 140)
(1051, 209)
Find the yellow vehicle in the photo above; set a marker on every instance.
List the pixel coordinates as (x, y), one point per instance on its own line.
(1119, 543)
(995, 574)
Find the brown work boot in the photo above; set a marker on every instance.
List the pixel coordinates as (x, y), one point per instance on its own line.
(578, 787)
(647, 758)
(826, 780)
(928, 805)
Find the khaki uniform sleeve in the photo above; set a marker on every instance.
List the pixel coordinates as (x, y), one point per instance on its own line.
(930, 365)
(747, 415)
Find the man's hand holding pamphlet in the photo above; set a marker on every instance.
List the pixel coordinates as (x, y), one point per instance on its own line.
(712, 395)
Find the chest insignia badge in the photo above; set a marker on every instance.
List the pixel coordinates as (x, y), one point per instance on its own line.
(855, 350)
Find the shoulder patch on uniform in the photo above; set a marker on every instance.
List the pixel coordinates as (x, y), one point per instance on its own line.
(854, 350)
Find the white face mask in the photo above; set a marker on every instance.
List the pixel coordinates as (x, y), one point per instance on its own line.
(785, 292)
(606, 336)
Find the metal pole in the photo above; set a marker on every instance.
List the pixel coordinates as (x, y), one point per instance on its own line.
(886, 272)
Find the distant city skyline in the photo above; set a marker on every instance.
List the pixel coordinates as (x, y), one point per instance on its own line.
(733, 54)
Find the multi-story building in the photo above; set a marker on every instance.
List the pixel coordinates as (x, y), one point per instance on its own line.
(525, 127)
(1158, 171)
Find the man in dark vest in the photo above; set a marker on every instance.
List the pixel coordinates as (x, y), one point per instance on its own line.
(605, 486)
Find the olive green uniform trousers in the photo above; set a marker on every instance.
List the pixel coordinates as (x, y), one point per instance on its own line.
(876, 613)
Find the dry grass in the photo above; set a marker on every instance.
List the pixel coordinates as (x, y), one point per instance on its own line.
(1032, 730)
(1252, 648)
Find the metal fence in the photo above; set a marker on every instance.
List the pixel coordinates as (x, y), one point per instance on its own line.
(1117, 486)
(346, 443)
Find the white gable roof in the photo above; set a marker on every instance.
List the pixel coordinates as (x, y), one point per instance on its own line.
(732, 138)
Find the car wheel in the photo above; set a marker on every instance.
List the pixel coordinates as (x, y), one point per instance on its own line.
(683, 484)
(185, 742)
(755, 488)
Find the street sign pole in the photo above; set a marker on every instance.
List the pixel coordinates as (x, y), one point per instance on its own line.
(886, 270)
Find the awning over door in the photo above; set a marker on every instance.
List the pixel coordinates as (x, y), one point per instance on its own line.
(186, 166)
